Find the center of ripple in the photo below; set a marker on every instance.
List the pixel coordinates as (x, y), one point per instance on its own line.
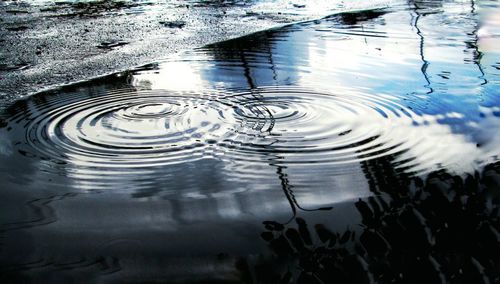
(153, 109)
(265, 109)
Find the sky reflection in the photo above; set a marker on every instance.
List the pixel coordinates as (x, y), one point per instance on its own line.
(438, 83)
(191, 154)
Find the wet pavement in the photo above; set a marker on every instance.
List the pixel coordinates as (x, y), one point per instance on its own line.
(359, 148)
(48, 43)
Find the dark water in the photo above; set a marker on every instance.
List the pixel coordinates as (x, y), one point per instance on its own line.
(358, 148)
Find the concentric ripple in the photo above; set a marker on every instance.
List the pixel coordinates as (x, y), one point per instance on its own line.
(308, 126)
(129, 129)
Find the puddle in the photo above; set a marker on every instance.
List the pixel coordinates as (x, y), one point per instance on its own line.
(332, 150)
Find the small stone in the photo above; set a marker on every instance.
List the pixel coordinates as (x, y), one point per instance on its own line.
(174, 24)
(111, 44)
(18, 28)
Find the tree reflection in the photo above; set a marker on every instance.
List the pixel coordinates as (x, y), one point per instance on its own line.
(441, 229)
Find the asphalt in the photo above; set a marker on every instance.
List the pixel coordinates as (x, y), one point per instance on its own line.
(44, 44)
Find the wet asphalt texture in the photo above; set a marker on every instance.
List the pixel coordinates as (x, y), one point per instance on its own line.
(46, 44)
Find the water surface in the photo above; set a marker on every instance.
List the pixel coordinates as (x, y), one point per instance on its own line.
(170, 169)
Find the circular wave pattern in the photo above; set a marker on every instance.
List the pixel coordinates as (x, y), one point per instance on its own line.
(146, 129)
(296, 125)
(129, 129)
